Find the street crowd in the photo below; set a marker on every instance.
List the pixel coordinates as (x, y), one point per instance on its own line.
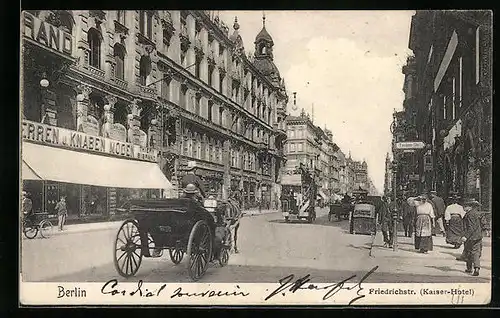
(427, 215)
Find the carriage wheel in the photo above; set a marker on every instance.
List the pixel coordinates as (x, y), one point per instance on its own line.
(176, 255)
(224, 257)
(46, 228)
(29, 231)
(127, 249)
(199, 250)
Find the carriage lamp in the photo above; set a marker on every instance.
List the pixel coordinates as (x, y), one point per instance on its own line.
(107, 107)
(44, 82)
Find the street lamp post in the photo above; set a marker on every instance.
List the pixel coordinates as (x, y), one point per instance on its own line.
(395, 210)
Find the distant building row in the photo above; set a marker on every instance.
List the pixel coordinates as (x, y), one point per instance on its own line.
(314, 147)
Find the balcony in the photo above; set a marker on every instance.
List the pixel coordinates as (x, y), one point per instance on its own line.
(120, 83)
(94, 71)
(146, 92)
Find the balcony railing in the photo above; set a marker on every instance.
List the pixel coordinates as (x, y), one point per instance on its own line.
(95, 71)
(148, 92)
(120, 83)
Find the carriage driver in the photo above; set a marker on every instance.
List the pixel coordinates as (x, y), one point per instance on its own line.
(192, 178)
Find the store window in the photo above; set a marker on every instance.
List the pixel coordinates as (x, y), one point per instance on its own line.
(35, 193)
(94, 200)
(73, 197)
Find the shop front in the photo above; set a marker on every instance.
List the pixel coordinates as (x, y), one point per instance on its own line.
(96, 175)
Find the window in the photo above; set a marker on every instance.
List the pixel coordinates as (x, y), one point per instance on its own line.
(300, 147)
(453, 111)
(146, 23)
(144, 70)
(197, 103)
(210, 109)
(120, 16)
(197, 67)
(183, 98)
(460, 81)
(292, 147)
(210, 74)
(221, 116)
(477, 56)
(94, 40)
(292, 134)
(444, 107)
(165, 89)
(119, 54)
(221, 83)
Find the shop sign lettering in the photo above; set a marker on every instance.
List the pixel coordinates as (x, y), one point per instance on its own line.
(56, 136)
(47, 34)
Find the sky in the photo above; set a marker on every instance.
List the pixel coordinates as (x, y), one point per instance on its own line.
(345, 63)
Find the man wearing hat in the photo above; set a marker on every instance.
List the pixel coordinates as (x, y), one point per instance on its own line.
(474, 225)
(27, 207)
(192, 178)
(439, 208)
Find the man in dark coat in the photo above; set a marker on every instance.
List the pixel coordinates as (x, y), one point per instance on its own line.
(439, 208)
(386, 221)
(409, 215)
(474, 225)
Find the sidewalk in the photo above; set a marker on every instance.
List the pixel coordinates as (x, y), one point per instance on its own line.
(253, 212)
(100, 226)
(440, 262)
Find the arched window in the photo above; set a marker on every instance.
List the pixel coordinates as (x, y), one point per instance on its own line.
(144, 70)
(94, 40)
(120, 16)
(119, 54)
(146, 23)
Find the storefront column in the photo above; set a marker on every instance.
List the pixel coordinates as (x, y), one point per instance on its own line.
(82, 106)
(226, 155)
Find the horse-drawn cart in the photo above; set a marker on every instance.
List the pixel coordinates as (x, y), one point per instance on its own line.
(183, 226)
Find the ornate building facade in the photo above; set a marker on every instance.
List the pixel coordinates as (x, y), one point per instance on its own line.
(448, 102)
(178, 84)
(315, 148)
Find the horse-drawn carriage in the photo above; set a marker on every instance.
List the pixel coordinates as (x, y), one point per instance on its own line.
(342, 209)
(363, 219)
(182, 226)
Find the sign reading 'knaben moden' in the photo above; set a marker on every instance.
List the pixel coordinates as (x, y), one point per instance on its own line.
(56, 136)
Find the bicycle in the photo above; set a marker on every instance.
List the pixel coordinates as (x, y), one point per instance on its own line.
(31, 227)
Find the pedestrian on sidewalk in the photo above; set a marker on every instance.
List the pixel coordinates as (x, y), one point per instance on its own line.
(424, 223)
(453, 216)
(474, 225)
(386, 221)
(409, 214)
(62, 213)
(439, 208)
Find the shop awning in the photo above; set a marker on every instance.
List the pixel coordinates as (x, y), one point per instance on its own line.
(68, 166)
(28, 174)
(323, 195)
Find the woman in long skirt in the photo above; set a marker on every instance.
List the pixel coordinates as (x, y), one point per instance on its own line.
(424, 223)
(453, 216)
